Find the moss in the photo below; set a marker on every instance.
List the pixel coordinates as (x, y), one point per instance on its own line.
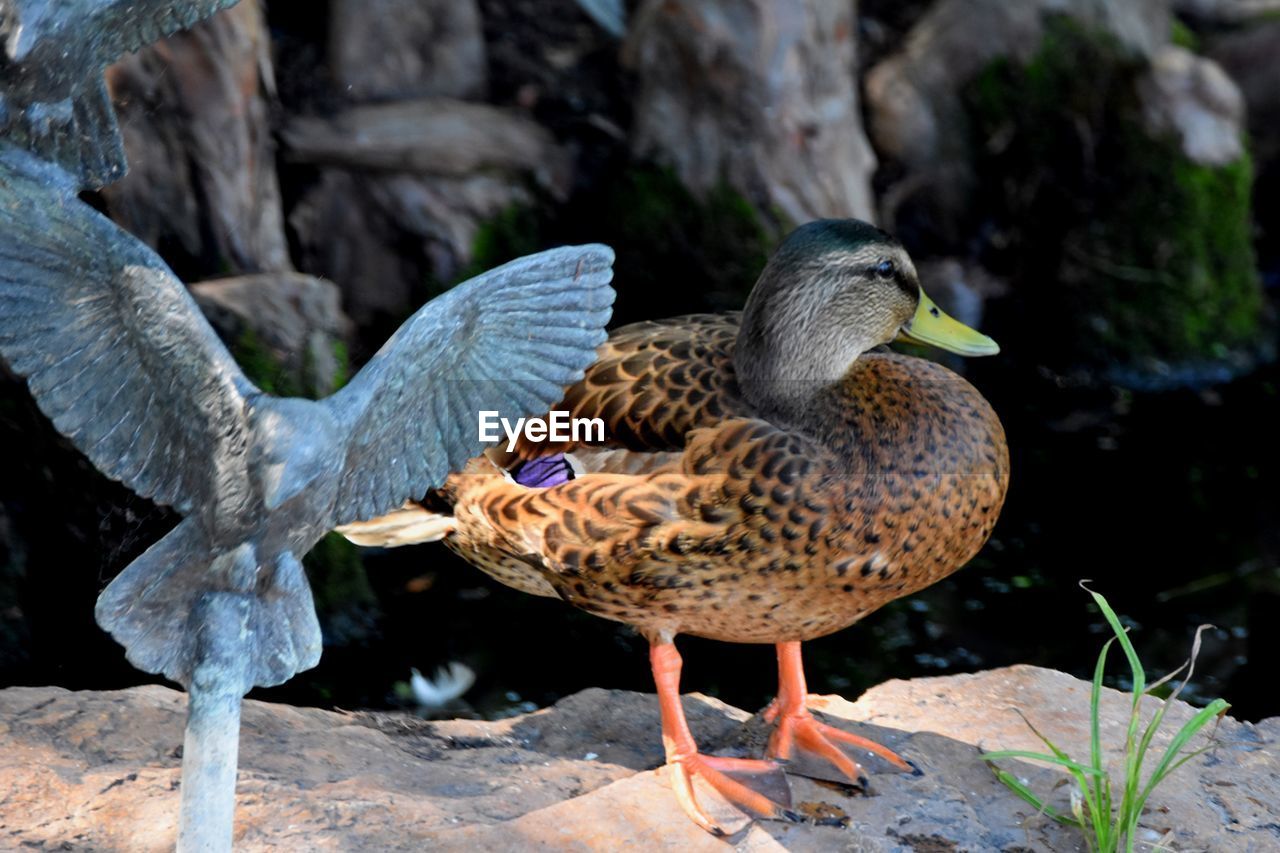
(1183, 36)
(335, 569)
(263, 368)
(1125, 248)
(516, 231)
(345, 601)
(342, 365)
(676, 250)
(274, 377)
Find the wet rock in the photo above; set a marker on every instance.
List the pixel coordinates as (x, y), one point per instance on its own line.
(1108, 184)
(390, 49)
(99, 770)
(202, 184)
(758, 94)
(288, 328)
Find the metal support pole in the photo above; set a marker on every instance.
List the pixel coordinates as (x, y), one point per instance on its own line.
(211, 746)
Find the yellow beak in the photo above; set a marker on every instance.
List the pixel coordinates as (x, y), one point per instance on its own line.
(931, 326)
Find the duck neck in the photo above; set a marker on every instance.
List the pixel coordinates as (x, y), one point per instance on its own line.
(786, 356)
(780, 395)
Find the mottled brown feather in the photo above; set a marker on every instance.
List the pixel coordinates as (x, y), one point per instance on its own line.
(654, 381)
(700, 518)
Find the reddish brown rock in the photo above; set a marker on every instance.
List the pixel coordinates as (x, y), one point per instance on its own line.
(100, 771)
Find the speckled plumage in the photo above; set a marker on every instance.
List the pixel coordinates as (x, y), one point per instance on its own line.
(697, 516)
(765, 477)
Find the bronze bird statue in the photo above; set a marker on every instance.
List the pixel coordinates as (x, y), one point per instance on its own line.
(769, 476)
(53, 99)
(117, 355)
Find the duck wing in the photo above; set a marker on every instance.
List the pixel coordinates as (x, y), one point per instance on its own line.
(113, 348)
(743, 493)
(653, 382)
(508, 341)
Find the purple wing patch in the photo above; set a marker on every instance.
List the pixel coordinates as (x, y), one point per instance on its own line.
(543, 473)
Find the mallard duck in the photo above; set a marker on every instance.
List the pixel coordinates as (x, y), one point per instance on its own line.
(769, 476)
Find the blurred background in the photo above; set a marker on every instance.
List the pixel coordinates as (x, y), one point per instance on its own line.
(1095, 184)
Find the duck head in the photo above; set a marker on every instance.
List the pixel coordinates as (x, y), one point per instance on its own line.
(833, 290)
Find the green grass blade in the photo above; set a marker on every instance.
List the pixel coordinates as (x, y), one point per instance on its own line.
(1114, 818)
(1202, 718)
(1133, 757)
(1099, 798)
(1095, 696)
(1060, 761)
(1139, 675)
(1041, 807)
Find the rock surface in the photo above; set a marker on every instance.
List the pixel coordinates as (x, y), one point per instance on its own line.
(433, 136)
(759, 94)
(100, 771)
(295, 319)
(202, 184)
(404, 189)
(386, 49)
(915, 108)
(1192, 97)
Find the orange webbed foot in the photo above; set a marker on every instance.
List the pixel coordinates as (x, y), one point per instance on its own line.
(756, 788)
(798, 733)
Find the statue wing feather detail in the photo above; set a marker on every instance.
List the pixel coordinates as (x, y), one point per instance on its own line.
(510, 340)
(114, 349)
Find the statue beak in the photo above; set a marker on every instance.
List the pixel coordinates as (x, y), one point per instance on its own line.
(931, 326)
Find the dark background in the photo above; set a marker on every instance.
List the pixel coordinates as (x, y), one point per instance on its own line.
(1141, 409)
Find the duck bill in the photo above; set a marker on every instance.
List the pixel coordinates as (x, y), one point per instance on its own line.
(932, 326)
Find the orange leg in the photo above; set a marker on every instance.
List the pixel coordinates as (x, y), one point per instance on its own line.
(734, 778)
(798, 730)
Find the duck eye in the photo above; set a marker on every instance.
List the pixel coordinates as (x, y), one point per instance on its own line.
(886, 269)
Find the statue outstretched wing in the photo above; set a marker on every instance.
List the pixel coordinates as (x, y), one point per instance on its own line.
(508, 341)
(53, 99)
(79, 38)
(114, 350)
